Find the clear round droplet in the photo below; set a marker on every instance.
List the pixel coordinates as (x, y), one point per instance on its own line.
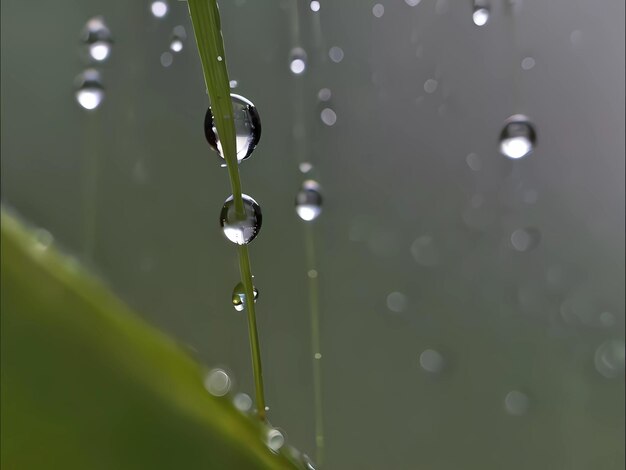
(217, 382)
(297, 61)
(516, 403)
(239, 296)
(336, 54)
(378, 10)
(328, 117)
(247, 128)
(275, 439)
(432, 361)
(237, 230)
(525, 239)
(309, 201)
(480, 15)
(315, 5)
(518, 138)
(90, 92)
(97, 37)
(233, 84)
(242, 402)
(609, 359)
(159, 8)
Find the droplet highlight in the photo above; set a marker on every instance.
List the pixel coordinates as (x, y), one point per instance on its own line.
(159, 8)
(309, 201)
(241, 230)
(480, 15)
(90, 91)
(297, 61)
(518, 137)
(97, 37)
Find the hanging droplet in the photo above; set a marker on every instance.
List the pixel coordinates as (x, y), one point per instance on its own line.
(309, 201)
(297, 61)
(247, 128)
(217, 382)
(178, 37)
(90, 91)
(275, 439)
(159, 8)
(241, 231)
(97, 37)
(239, 296)
(518, 137)
(481, 12)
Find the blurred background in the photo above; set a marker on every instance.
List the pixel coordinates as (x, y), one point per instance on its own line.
(472, 305)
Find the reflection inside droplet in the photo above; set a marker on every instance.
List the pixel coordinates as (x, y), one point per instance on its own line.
(518, 137)
(90, 92)
(275, 439)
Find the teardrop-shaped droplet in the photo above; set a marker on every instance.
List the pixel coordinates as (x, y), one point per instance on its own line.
(481, 12)
(89, 92)
(97, 37)
(247, 128)
(309, 201)
(297, 61)
(241, 230)
(239, 296)
(518, 137)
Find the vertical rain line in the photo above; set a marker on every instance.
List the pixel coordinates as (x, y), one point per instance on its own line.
(90, 186)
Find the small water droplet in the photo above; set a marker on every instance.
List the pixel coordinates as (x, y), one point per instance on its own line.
(275, 439)
(480, 16)
(431, 361)
(167, 59)
(518, 137)
(90, 92)
(97, 37)
(233, 84)
(324, 94)
(297, 61)
(328, 116)
(315, 5)
(159, 8)
(217, 382)
(528, 63)
(312, 273)
(247, 128)
(309, 201)
(430, 85)
(424, 251)
(525, 239)
(43, 240)
(176, 45)
(336, 54)
(412, 3)
(219, 58)
(239, 296)
(305, 167)
(242, 402)
(317, 356)
(397, 302)
(516, 403)
(180, 31)
(241, 231)
(609, 359)
(378, 10)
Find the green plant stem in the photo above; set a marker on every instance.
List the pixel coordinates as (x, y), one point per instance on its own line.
(316, 349)
(207, 30)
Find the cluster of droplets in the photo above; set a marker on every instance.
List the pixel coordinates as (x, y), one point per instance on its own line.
(98, 42)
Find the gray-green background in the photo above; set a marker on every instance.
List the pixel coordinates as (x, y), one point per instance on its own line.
(393, 169)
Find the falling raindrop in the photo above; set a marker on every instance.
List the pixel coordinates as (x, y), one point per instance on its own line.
(217, 382)
(609, 359)
(481, 12)
(336, 54)
(275, 439)
(525, 239)
(516, 403)
(297, 61)
(518, 137)
(90, 91)
(239, 296)
(159, 8)
(328, 116)
(241, 231)
(378, 10)
(432, 361)
(247, 128)
(309, 201)
(97, 36)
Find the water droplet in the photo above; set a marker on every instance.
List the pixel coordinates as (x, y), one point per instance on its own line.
(525, 239)
(217, 382)
(239, 296)
(317, 356)
(474, 162)
(312, 273)
(159, 8)
(247, 128)
(180, 31)
(97, 36)
(324, 94)
(275, 439)
(412, 3)
(609, 359)
(397, 302)
(432, 361)
(424, 251)
(167, 59)
(315, 5)
(297, 61)
(336, 54)
(233, 83)
(328, 116)
(241, 231)
(219, 58)
(242, 402)
(430, 85)
(481, 12)
(90, 92)
(518, 137)
(309, 201)
(516, 403)
(176, 45)
(305, 167)
(378, 10)
(528, 63)
(42, 240)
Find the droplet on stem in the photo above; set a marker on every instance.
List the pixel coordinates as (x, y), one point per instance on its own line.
(241, 231)
(239, 296)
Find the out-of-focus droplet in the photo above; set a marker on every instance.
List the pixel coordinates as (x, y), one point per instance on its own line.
(309, 201)
(412, 3)
(424, 251)
(242, 402)
(397, 302)
(324, 94)
(442, 7)
(430, 85)
(609, 359)
(97, 37)
(336, 54)
(516, 403)
(480, 15)
(247, 128)
(167, 59)
(315, 5)
(305, 167)
(275, 439)
(159, 8)
(90, 91)
(239, 296)
(518, 137)
(241, 231)
(525, 239)
(328, 117)
(176, 45)
(233, 84)
(528, 63)
(432, 361)
(607, 319)
(217, 382)
(474, 162)
(297, 61)
(378, 10)
(42, 240)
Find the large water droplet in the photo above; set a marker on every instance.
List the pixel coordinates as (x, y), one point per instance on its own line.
(275, 439)
(97, 36)
(247, 128)
(242, 402)
(309, 201)
(518, 137)
(239, 296)
(241, 231)
(481, 12)
(297, 61)
(90, 91)
(609, 359)
(217, 382)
